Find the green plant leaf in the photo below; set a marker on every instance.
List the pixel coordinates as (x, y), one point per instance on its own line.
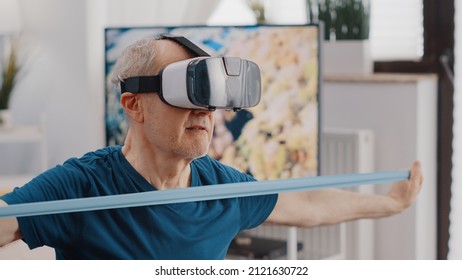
(9, 77)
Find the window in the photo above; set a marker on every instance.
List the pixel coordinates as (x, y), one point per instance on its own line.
(397, 30)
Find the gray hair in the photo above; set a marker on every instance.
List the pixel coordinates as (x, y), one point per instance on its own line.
(138, 59)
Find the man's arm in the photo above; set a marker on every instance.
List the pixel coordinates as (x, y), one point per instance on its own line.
(325, 207)
(9, 229)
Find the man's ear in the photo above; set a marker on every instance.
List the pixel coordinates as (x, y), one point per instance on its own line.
(132, 105)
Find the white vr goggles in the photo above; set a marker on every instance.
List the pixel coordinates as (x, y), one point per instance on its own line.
(202, 82)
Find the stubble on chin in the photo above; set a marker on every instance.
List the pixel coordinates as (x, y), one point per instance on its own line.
(193, 150)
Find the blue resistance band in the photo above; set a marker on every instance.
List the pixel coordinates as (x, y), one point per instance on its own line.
(202, 193)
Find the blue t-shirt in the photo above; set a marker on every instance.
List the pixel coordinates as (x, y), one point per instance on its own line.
(193, 230)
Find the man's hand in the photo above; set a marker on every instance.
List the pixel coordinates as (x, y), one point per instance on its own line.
(404, 193)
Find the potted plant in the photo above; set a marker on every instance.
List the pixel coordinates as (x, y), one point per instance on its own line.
(346, 48)
(10, 71)
(258, 8)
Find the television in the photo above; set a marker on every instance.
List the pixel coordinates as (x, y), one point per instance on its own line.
(279, 138)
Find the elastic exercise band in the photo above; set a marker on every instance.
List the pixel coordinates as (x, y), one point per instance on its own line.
(201, 193)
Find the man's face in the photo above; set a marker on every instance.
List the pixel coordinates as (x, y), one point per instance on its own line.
(180, 132)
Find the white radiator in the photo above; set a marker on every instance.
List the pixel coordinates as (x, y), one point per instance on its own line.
(342, 151)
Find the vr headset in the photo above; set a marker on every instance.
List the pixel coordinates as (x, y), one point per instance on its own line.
(202, 82)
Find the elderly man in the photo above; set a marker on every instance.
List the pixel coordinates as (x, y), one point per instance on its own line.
(166, 148)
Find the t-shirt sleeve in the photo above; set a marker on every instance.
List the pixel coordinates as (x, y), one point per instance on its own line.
(60, 182)
(256, 209)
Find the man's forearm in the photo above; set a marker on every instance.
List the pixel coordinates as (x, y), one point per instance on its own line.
(325, 207)
(331, 206)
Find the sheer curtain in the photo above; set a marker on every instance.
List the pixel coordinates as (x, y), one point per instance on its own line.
(396, 29)
(455, 230)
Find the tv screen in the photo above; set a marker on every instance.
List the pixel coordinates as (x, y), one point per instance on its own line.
(277, 139)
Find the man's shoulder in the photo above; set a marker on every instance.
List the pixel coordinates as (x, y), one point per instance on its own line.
(206, 162)
(96, 156)
(216, 172)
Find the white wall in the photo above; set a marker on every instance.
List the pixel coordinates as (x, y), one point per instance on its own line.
(401, 112)
(55, 79)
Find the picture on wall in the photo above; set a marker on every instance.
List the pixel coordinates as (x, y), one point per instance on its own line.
(277, 139)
